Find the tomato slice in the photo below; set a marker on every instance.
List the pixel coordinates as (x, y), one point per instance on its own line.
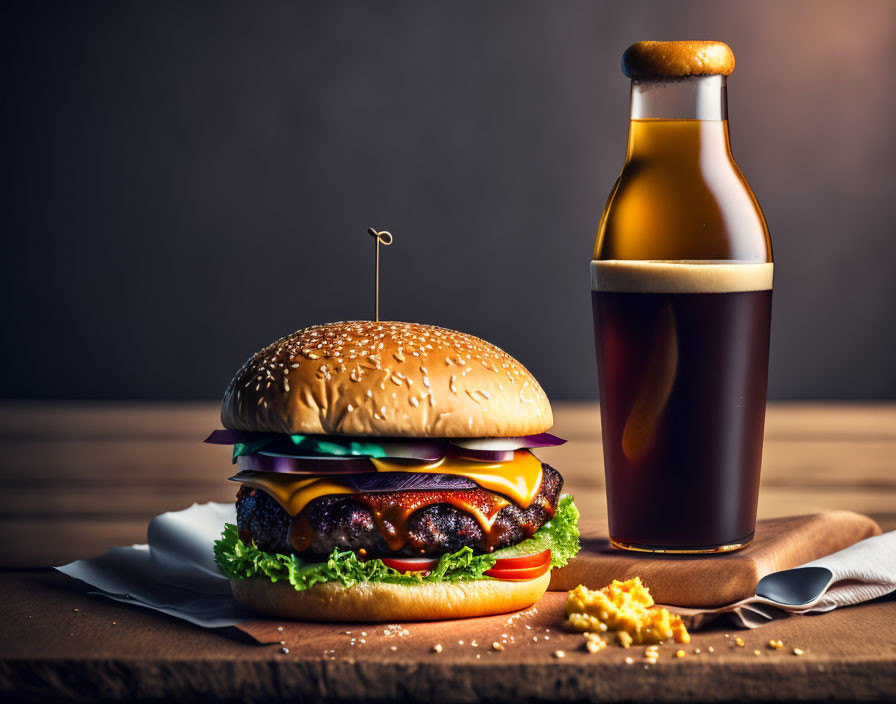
(520, 575)
(410, 564)
(516, 563)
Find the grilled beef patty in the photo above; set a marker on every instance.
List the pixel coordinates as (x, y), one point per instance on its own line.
(340, 522)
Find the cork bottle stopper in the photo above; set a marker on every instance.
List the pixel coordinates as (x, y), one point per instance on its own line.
(677, 59)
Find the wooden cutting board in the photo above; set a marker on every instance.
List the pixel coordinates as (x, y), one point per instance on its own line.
(714, 580)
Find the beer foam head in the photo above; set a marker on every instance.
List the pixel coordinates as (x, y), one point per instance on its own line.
(703, 276)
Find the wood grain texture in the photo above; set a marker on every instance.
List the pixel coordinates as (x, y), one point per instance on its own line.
(714, 580)
(59, 641)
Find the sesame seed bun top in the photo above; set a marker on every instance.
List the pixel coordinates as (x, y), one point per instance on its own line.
(677, 59)
(385, 379)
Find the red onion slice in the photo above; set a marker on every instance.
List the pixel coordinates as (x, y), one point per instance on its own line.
(425, 450)
(485, 455)
(232, 437)
(542, 440)
(383, 482)
(312, 465)
(525, 442)
(386, 482)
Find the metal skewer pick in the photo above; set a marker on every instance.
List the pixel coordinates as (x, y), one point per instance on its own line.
(386, 239)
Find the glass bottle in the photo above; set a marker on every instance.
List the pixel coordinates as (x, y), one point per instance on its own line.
(681, 289)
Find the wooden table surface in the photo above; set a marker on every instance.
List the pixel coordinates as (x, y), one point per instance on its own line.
(81, 477)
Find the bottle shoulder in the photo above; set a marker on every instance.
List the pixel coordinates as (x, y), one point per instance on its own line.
(661, 212)
(681, 195)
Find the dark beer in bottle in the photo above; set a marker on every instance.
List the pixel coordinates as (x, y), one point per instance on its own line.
(681, 281)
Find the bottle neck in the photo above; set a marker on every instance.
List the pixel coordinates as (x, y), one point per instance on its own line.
(680, 122)
(690, 98)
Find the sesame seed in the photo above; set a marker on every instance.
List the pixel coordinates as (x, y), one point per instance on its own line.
(559, 654)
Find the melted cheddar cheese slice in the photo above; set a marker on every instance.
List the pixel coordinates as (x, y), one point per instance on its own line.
(291, 493)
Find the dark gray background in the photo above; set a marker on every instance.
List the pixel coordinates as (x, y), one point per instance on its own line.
(185, 182)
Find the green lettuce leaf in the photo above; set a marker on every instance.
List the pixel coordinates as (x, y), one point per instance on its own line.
(348, 449)
(237, 560)
(313, 446)
(249, 448)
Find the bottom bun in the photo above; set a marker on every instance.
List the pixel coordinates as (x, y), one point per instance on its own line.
(429, 601)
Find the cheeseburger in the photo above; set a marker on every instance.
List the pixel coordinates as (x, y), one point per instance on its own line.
(386, 473)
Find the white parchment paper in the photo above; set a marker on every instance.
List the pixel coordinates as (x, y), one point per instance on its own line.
(175, 573)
